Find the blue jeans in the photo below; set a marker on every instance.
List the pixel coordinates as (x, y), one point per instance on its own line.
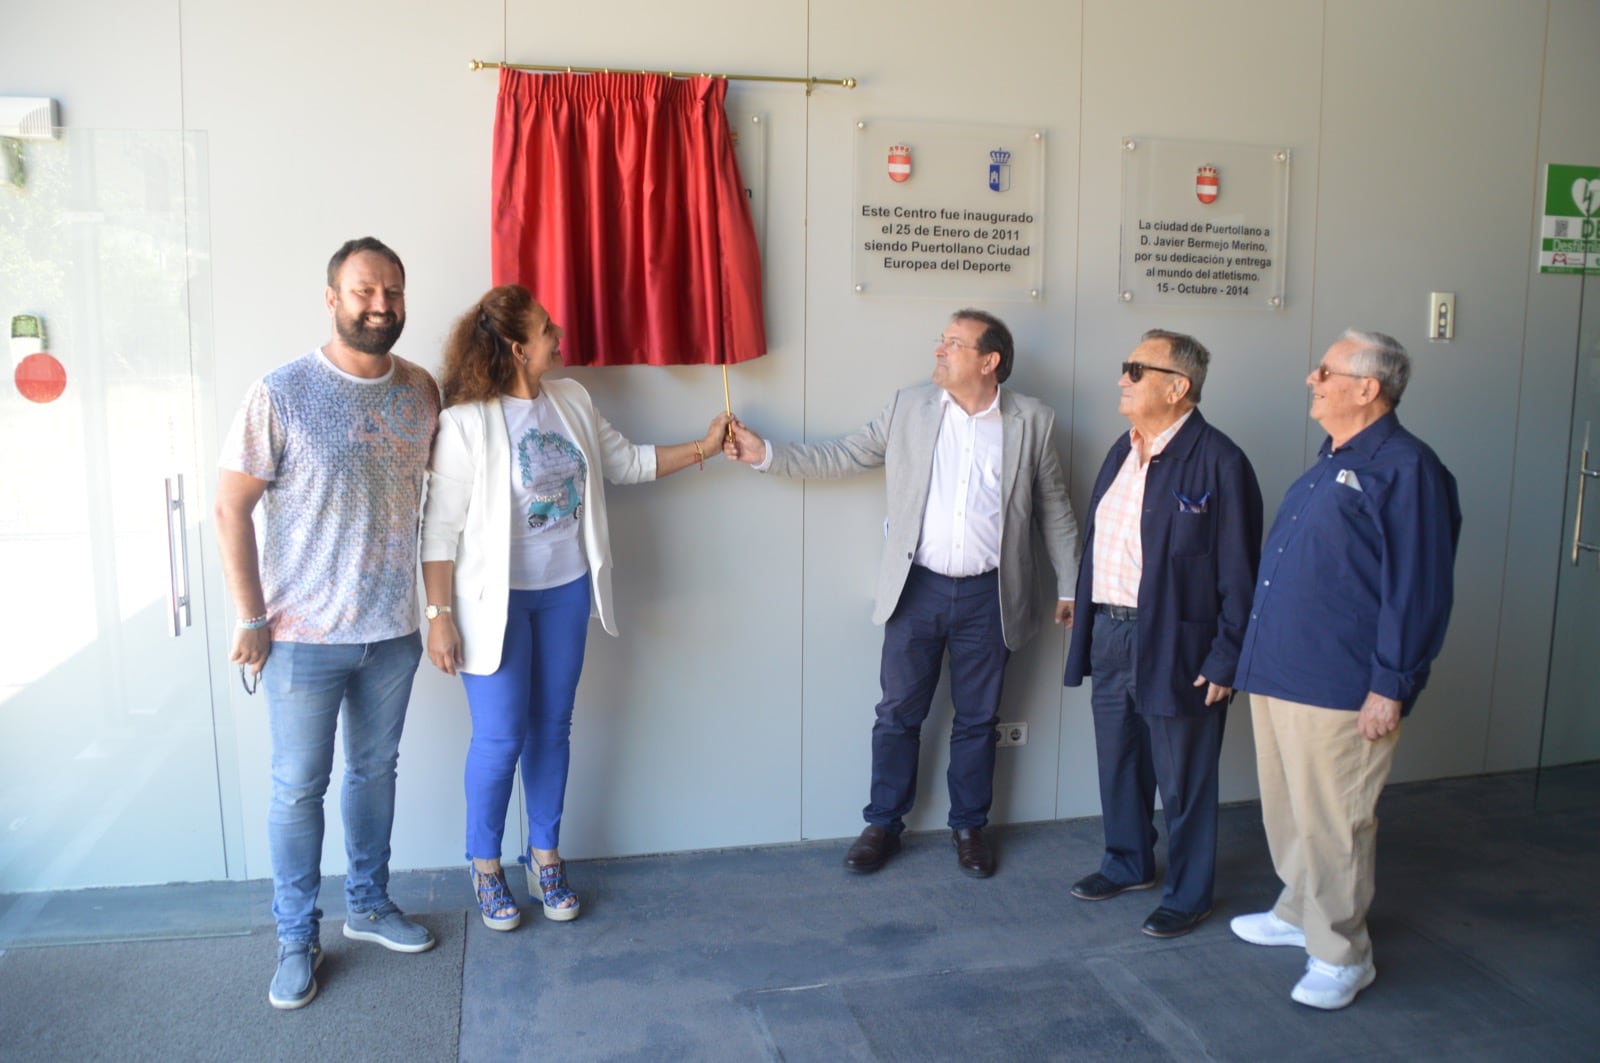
(524, 712)
(307, 685)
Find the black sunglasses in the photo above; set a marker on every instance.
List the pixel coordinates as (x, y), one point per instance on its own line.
(1135, 371)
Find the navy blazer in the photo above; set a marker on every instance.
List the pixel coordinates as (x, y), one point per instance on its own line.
(1200, 561)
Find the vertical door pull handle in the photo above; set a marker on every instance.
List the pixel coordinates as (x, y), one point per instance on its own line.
(178, 556)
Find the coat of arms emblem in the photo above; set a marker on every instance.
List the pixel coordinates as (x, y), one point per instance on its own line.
(899, 163)
(999, 170)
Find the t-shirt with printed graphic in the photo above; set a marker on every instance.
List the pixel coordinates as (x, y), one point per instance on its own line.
(344, 457)
(548, 473)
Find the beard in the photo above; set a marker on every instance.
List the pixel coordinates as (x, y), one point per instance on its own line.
(358, 335)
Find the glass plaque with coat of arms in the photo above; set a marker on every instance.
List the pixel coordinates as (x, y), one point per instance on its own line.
(1204, 223)
(948, 211)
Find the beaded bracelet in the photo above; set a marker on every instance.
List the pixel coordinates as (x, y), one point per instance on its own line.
(253, 623)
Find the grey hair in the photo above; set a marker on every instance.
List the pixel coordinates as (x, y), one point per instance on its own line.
(1381, 357)
(1188, 354)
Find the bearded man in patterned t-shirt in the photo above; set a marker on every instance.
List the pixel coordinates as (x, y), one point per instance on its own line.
(332, 447)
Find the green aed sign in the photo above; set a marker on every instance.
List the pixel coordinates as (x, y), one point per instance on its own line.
(1569, 241)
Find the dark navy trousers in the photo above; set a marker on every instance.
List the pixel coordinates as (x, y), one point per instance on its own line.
(1138, 753)
(937, 614)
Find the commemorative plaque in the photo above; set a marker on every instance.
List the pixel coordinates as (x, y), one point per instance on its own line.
(948, 211)
(1203, 223)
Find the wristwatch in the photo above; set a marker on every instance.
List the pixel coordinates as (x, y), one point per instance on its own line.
(433, 611)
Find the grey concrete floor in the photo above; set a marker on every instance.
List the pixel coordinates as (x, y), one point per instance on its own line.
(1486, 931)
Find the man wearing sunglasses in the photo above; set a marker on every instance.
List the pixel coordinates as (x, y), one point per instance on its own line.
(974, 488)
(1354, 595)
(1169, 563)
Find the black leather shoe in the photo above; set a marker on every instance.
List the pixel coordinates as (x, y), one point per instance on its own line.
(874, 846)
(1097, 887)
(1171, 923)
(972, 853)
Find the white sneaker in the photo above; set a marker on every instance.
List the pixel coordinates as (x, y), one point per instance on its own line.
(1329, 987)
(1265, 928)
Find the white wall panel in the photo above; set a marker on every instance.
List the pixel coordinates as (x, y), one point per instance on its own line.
(688, 726)
(326, 123)
(1426, 186)
(1004, 65)
(1537, 536)
(1246, 73)
(109, 66)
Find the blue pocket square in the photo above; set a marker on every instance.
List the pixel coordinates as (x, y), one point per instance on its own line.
(1192, 505)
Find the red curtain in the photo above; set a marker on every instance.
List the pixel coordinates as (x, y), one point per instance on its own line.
(617, 201)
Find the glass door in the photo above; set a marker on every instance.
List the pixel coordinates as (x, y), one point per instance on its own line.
(1571, 735)
(112, 771)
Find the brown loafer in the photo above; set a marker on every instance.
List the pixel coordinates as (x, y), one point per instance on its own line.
(875, 845)
(973, 855)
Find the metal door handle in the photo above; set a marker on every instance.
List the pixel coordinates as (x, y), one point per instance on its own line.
(1584, 473)
(178, 557)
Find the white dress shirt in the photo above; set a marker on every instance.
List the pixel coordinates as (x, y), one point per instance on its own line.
(961, 524)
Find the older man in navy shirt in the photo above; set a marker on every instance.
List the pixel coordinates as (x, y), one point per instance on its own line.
(1350, 610)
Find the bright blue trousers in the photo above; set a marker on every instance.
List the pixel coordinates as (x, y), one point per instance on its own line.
(523, 713)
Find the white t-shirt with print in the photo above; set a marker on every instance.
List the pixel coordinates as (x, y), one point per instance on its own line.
(344, 458)
(548, 473)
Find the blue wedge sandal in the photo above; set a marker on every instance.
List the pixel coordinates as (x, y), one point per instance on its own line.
(560, 901)
(499, 907)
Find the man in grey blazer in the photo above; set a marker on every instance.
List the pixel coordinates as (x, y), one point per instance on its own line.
(975, 489)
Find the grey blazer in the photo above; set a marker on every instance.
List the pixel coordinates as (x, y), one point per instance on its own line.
(1035, 514)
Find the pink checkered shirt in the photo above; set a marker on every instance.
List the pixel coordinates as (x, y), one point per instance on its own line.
(1118, 543)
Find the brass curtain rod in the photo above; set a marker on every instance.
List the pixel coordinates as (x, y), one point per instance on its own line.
(479, 64)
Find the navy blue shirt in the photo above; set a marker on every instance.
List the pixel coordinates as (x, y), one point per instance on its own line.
(1356, 575)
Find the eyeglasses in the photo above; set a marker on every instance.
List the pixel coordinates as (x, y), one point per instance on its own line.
(1135, 371)
(1323, 373)
(251, 680)
(954, 344)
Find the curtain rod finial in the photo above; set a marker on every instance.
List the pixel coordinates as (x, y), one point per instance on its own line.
(849, 83)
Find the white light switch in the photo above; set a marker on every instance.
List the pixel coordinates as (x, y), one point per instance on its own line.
(1441, 317)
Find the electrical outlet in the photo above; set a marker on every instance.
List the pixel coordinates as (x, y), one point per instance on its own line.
(1012, 734)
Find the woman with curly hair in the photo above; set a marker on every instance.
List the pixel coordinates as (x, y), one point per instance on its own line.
(515, 556)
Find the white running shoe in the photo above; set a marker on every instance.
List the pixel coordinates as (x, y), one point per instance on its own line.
(1265, 928)
(1330, 987)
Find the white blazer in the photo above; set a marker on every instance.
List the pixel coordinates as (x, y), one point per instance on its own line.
(467, 515)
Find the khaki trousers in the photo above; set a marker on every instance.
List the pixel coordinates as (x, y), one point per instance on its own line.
(1320, 782)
